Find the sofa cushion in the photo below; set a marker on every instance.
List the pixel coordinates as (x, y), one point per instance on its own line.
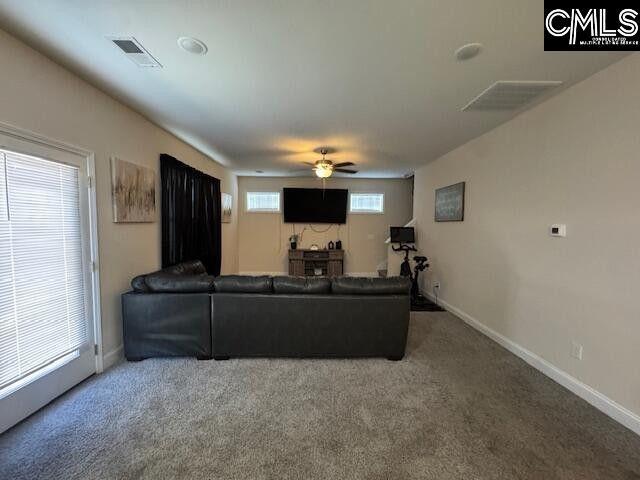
(191, 267)
(371, 286)
(163, 282)
(302, 285)
(243, 284)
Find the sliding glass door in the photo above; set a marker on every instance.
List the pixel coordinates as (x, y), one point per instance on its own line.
(46, 314)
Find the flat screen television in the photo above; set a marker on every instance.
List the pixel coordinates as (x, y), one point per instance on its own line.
(402, 235)
(315, 205)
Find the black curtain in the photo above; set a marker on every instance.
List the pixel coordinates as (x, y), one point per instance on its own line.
(191, 227)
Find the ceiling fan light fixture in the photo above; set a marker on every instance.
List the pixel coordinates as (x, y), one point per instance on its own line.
(323, 171)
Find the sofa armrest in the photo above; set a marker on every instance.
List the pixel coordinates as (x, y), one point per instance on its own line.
(166, 324)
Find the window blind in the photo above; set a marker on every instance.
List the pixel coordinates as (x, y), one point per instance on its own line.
(263, 201)
(367, 203)
(42, 304)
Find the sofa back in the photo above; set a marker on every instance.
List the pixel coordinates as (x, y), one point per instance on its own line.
(243, 284)
(191, 277)
(371, 286)
(301, 285)
(321, 325)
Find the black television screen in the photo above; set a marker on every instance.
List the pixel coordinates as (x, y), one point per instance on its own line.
(315, 205)
(402, 235)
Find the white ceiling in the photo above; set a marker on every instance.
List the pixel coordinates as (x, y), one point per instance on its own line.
(375, 79)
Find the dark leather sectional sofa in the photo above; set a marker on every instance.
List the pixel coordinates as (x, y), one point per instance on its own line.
(181, 311)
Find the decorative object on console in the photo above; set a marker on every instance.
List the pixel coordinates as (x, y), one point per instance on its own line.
(293, 240)
(133, 192)
(331, 245)
(449, 205)
(338, 244)
(226, 204)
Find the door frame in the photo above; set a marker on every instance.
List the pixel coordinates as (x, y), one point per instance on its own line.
(37, 139)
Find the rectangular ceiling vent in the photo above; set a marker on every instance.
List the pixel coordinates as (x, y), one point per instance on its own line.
(135, 52)
(509, 95)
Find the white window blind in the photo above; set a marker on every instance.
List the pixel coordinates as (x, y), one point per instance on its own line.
(42, 304)
(367, 203)
(263, 201)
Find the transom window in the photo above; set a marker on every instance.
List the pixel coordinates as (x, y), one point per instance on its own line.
(263, 201)
(366, 203)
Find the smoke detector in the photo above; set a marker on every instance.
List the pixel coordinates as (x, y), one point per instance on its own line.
(468, 51)
(509, 95)
(192, 45)
(135, 52)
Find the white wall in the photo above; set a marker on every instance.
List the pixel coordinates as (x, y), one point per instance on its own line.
(574, 160)
(39, 95)
(263, 237)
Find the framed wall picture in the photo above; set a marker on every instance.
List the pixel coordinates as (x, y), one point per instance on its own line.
(133, 192)
(226, 203)
(449, 206)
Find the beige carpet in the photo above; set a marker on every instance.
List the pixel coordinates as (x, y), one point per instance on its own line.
(457, 407)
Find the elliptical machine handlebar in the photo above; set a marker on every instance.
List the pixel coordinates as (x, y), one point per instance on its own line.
(406, 248)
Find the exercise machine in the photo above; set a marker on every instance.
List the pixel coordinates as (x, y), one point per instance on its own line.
(405, 266)
(418, 301)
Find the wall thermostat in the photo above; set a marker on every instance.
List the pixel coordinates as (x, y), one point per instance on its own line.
(558, 230)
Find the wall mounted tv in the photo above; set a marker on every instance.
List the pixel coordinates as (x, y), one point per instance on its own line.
(315, 205)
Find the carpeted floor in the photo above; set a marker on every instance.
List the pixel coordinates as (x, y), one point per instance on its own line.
(457, 407)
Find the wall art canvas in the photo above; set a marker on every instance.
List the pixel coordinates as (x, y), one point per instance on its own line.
(227, 207)
(133, 192)
(450, 203)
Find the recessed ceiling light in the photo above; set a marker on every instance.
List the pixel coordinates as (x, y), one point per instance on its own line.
(468, 51)
(192, 45)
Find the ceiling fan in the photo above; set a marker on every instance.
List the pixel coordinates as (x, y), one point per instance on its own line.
(324, 168)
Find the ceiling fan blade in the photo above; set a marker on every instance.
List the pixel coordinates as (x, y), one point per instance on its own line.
(309, 163)
(343, 164)
(344, 170)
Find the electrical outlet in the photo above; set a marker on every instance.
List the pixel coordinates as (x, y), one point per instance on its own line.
(576, 350)
(435, 284)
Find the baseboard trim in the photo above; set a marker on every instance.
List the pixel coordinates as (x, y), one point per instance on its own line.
(113, 357)
(273, 274)
(347, 274)
(600, 401)
(361, 274)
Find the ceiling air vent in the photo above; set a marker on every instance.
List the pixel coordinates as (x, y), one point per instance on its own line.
(509, 95)
(135, 51)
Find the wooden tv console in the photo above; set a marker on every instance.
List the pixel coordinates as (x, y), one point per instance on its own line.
(309, 263)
